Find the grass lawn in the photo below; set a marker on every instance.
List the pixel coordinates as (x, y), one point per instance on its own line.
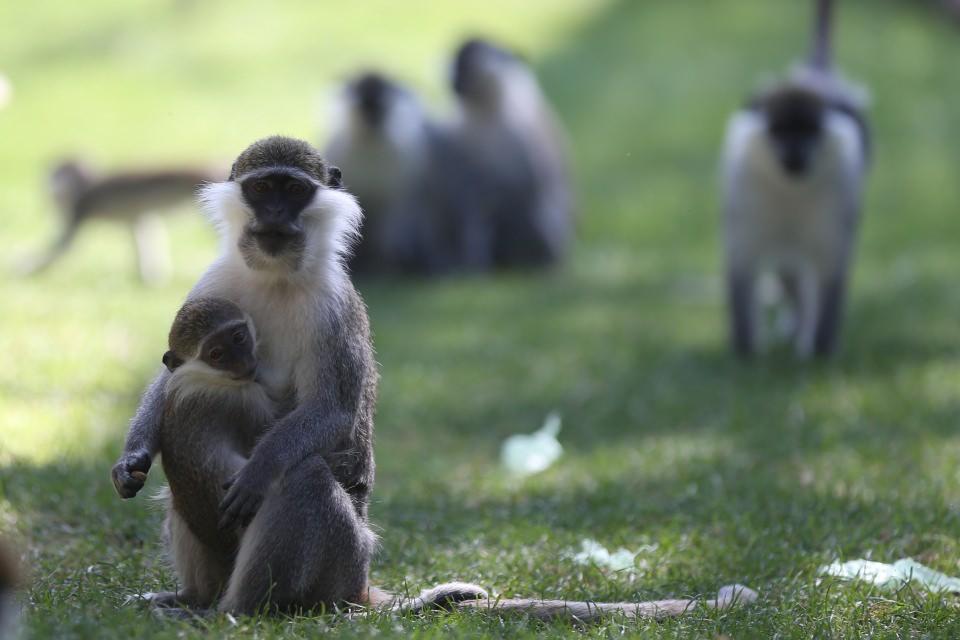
(731, 473)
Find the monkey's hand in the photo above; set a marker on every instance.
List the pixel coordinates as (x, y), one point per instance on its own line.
(130, 473)
(245, 493)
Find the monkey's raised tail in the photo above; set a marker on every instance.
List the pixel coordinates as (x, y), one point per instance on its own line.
(821, 50)
(458, 595)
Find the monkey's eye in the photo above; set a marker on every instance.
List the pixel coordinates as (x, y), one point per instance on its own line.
(260, 186)
(296, 188)
(239, 336)
(215, 354)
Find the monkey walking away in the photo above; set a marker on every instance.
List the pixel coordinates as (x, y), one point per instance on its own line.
(271, 353)
(131, 197)
(794, 164)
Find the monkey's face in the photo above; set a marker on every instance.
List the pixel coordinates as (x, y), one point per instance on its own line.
(383, 111)
(66, 181)
(478, 70)
(794, 125)
(231, 350)
(283, 208)
(371, 96)
(277, 198)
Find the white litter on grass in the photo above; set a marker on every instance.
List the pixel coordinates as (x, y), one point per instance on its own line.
(594, 553)
(6, 91)
(524, 454)
(892, 576)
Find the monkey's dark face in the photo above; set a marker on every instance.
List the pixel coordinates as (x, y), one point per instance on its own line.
(795, 125)
(231, 350)
(476, 68)
(372, 95)
(277, 197)
(67, 180)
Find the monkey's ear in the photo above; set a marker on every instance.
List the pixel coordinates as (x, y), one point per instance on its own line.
(334, 177)
(171, 361)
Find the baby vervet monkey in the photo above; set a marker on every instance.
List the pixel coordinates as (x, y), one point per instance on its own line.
(516, 145)
(412, 181)
(794, 163)
(216, 410)
(131, 197)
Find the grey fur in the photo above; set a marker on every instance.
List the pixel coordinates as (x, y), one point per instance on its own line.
(414, 182)
(516, 149)
(794, 165)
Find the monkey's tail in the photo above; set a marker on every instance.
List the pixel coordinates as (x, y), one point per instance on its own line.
(821, 49)
(462, 596)
(442, 596)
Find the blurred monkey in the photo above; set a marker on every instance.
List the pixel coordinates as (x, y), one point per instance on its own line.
(9, 583)
(132, 197)
(793, 169)
(516, 145)
(411, 180)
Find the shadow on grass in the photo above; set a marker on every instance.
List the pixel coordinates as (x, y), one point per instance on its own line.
(714, 524)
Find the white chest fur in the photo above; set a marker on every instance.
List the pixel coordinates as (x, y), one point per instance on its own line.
(776, 220)
(285, 317)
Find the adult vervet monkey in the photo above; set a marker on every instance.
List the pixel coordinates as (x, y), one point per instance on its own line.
(131, 197)
(413, 181)
(286, 225)
(793, 170)
(516, 145)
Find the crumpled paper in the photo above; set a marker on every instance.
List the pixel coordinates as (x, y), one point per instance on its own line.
(525, 454)
(892, 576)
(594, 553)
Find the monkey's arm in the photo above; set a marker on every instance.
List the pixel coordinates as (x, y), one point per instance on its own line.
(143, 440)
(320, 425)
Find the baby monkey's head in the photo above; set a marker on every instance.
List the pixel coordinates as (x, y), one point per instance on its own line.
(213, 334)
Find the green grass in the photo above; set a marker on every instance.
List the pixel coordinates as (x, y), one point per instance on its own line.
(757, 474)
